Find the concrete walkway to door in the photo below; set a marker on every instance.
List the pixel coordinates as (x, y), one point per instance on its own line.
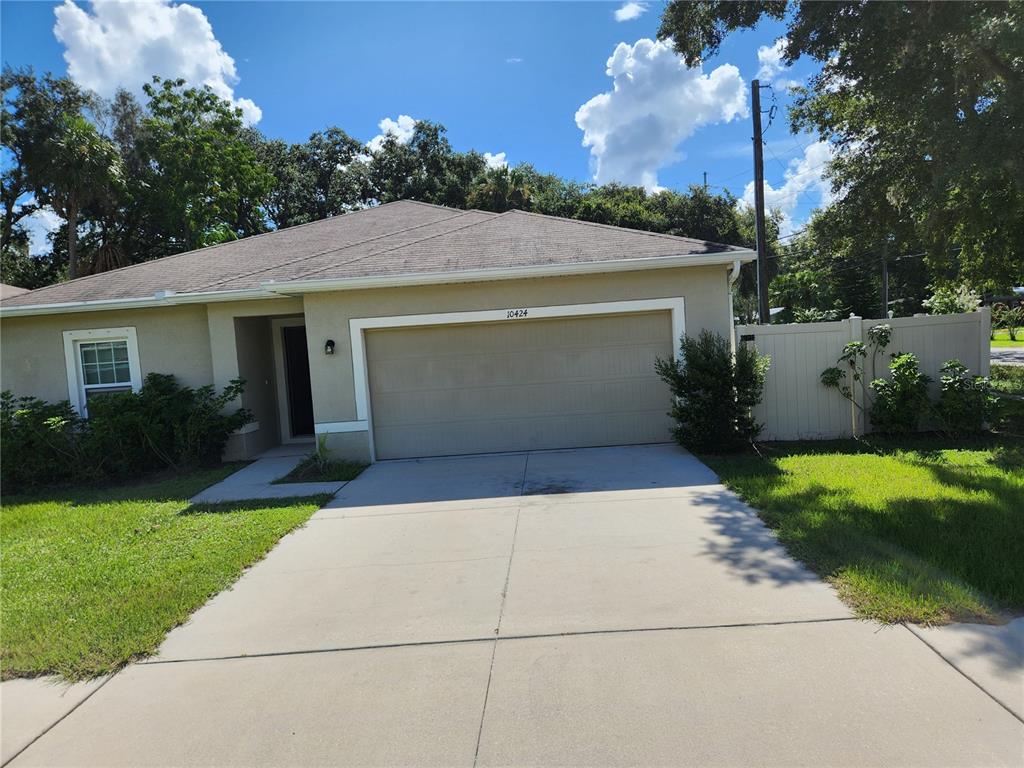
(594, 607)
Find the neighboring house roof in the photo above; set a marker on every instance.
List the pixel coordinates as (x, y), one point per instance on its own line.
(10, 291)
(387, 242)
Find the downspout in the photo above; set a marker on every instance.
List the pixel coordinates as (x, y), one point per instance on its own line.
(734, 275)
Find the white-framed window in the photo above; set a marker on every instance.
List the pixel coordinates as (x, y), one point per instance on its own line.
(100, 361)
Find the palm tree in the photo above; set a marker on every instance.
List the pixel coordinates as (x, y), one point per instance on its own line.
(82, 167)
(499, 190)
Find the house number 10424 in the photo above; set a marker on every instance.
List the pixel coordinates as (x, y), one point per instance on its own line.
(516, 313)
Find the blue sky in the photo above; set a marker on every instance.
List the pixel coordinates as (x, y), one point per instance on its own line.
(502, 77)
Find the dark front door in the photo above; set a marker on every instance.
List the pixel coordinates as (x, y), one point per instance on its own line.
(296, 373)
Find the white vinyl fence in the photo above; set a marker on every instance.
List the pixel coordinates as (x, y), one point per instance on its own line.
(797, 406)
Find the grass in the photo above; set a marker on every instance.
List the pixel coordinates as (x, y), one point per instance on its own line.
(918, 530)
(1001, 338)
(1008, 379)
(313, 470)
(1008, 383)
(93, 578)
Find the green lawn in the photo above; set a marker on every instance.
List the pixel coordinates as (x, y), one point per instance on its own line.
(1001, 338)
(92, 578)
(923, 530)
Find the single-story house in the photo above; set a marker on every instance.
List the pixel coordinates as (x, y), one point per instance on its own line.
(403, 330)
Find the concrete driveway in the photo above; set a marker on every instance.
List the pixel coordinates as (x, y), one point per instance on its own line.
(592, 607)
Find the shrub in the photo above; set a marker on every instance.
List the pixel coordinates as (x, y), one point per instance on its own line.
(126, 434)
(901, 400)
(1008, 318)
(814, 315)
(952, 299)
(714, 392)
(1008, 379)
(966, 402)
(39, 443)
(849, 369)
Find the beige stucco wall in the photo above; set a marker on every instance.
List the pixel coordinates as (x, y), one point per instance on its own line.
(704, 289)
(202, 344)
(223, 320)
(254, 349)
(171, 340)
(199, 344)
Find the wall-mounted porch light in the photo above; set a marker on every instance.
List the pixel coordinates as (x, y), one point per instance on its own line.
(329, 347)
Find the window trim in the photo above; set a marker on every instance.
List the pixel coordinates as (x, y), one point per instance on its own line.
(73, 360)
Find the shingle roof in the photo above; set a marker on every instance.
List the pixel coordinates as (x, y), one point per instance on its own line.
(10, 291)
(405, 237)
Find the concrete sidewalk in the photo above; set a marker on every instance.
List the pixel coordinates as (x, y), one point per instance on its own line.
(991, 656)
(601, 607)
(256, 481)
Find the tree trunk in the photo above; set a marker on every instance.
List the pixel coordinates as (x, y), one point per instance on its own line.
(72, 217)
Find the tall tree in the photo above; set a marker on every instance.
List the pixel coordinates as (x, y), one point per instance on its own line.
(499, 190)
(80, 167)
(203, 182)
(922, 101)
(35, 112)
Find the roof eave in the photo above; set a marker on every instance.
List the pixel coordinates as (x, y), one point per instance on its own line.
(160, 299)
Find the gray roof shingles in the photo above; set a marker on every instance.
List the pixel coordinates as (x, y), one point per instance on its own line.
(397, 238)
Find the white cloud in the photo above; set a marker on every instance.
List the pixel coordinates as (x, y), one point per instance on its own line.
(39, 225)
(495, 161)
(630, 11)
(656, 103)
(402, 129)
(770, 57)
(125, 44)
(513, 60)
(804, 178)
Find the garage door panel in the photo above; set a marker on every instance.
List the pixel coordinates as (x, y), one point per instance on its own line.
(473, 338)
(495, 368)
(450, 406)
(519, 434)
(553, 383)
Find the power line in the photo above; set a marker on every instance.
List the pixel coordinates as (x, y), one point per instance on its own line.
(793, 234)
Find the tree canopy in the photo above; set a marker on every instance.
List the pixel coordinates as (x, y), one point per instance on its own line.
(181, 171)
(922, 103)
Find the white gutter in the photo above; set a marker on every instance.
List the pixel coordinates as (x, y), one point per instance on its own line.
(506, 273)
(271, 289)
(159, 299)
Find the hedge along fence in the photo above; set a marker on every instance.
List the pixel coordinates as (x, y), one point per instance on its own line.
(796, 406)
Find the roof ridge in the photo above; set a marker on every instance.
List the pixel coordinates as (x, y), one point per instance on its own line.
(674, 238)
(207, 248)
(456, 215)
(426, 204)
(397, 247)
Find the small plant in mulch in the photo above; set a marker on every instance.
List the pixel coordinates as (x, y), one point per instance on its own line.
(319, 467)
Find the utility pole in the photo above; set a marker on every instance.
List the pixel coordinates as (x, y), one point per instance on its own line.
(705, 181)
(762, 251)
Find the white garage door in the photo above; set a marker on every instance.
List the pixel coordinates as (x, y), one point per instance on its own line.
(522, 385)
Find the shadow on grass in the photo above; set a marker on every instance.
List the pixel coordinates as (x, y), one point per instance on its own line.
(164, 486)
(928, 557)
(244, 505)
